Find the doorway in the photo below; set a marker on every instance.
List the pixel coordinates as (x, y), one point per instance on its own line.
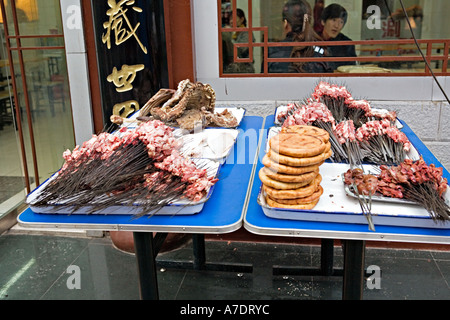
(36, 123)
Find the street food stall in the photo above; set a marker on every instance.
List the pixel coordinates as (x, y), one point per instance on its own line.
(328, 167)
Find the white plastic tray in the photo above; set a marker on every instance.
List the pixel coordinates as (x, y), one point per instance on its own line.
(182, 207)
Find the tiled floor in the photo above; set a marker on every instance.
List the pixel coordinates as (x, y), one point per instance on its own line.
(38, 267)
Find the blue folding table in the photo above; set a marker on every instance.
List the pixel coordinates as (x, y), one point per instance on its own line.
(353, 235)
(222, 213)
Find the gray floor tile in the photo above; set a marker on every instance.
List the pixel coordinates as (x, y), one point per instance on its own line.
(36, 267)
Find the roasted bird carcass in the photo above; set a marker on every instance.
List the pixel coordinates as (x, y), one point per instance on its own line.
(191, 105)
(188, 96)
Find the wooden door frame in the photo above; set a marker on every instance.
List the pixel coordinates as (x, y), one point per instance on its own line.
(179, 46)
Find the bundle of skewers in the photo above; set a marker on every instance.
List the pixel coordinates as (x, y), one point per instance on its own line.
(140, 168)
(382, 143)
(335, 110)
(346, 135)
(360, 134)
(410, 180)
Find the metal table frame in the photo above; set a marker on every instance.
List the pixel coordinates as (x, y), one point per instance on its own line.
(353, 236)
(234, 204)
(222, 213)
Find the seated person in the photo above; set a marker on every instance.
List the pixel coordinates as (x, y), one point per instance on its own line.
(334, 18)
(297, 28)
(242, 52)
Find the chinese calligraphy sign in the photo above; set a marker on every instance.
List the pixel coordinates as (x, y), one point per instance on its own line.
(124, 78)
(120, 25)
(117, 15)
(131, 54)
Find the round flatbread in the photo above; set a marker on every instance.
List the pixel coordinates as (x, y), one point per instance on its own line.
(307, 206)
(308, 130)
(278, 185)
(307, 176)
(302, 192)
(284, 169)
(299, 162)
(296, 145)
(305, 200)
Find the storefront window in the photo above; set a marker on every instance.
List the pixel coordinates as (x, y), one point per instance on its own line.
(36, 124)
(350, 37)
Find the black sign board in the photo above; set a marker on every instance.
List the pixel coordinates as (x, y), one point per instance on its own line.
(131, 53)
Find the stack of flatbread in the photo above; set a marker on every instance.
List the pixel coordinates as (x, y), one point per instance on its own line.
(290, 175)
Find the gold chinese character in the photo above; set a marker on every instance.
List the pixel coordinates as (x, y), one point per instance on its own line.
(124, 78)
(117, 15)
(126, 108)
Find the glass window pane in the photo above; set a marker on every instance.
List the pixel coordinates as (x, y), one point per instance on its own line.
(382, 22)
(12, 183)
(48, 91)
(42, 42)
(43, 128)
(38, 17)
(9, 18)
(237, 44)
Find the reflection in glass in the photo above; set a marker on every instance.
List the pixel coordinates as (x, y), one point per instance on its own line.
(32, 145)
(12, 183)
(230, 52)
(367, 20)
(48, 91)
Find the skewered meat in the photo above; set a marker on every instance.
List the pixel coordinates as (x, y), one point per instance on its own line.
(330, 90)
(345, 131)
(414, 181)
(308, 114)
(367, 184)
(135, 165)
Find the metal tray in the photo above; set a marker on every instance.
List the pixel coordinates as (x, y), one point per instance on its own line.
(335, 205)
(349, 190)
(181, 207)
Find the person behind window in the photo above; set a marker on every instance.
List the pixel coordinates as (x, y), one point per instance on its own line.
(227, 44)
(297, 28)
(318, 9)
(242, 52)
(334, 18)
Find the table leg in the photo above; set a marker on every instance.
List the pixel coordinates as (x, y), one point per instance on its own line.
(326, 256)
(148, 282)
(198, 244)
(354, 252)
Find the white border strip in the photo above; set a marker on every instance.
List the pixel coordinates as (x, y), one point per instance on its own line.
(77, 68)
